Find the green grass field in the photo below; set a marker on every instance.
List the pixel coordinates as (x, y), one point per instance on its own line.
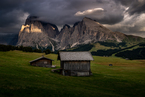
(126, 78)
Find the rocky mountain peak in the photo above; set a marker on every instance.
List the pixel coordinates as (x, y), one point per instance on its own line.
(86, 18)
(91, 22)
(31, 19)
(66, 26)
(76, 23)
(84, 32)
(36, 33)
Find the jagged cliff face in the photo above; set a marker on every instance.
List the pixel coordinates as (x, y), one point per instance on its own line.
(37, 34)
(84, 32)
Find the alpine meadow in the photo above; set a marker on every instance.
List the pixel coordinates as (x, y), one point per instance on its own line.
(126, 78)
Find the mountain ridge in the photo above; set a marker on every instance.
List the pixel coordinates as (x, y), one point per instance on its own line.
(40, 34)
(87, 31)
(36, 33)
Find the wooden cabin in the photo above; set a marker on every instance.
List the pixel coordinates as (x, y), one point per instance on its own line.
(42, 62)
(75, 63)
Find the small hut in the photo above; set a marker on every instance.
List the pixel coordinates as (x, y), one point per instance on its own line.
(42, 62)
(75, 63)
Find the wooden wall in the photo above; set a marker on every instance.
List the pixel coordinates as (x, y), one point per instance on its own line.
(42, 63)
(76, 65)
(76, 68)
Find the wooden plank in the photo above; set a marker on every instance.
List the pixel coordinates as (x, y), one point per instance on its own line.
(79, 65)
(83, 73)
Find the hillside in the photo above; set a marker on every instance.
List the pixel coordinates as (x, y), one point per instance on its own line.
(126, 78)
(125, 50)
(38, 34)
(136, 52)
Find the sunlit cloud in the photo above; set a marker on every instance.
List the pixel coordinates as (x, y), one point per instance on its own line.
(131, 23)
(89, 11)
(24, 17)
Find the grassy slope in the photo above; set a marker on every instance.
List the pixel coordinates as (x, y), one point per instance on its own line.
(125, 78)
(109, 48)
(98, 46)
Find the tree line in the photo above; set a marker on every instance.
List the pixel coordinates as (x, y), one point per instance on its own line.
(138, 53)
(21, 48)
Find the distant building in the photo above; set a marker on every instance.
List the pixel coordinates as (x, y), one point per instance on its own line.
(42, 62)
(75, 63)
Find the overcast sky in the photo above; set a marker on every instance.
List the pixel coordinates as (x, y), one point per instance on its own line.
(127, 16)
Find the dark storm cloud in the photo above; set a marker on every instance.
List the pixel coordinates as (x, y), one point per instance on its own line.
(138, 6)
(58, 11)
(12, 21)
(14, 12)
(135, 6)
(125, 2)
(10, 15)
(113, 12)
(61, 12)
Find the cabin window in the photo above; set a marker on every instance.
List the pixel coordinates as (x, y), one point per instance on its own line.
(45, 62)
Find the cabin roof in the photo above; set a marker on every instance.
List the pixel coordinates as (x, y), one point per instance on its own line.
(40, 59)
(75, 56)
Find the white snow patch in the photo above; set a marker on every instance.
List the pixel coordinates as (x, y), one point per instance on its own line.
(87, 41)
(74, 44)
(52, 45)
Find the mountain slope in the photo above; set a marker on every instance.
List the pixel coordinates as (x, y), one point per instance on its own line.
(136, 51)
(37, 34)
(42, 35)
(86, 31)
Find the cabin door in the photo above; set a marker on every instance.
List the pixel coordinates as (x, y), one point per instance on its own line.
(67, 73)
